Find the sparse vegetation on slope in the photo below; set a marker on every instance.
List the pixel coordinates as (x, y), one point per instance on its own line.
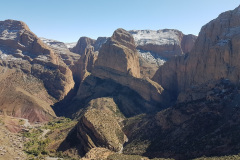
(44, 140)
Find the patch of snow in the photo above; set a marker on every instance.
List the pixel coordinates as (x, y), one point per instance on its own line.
(3, 56)
(54, 43)
(159, 37)
(152, 58)
(71, 45)
(6, 34)
(21, 45)
(42, 58)
(7, 57)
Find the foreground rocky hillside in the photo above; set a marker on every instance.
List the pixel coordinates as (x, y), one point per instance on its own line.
(207, 125)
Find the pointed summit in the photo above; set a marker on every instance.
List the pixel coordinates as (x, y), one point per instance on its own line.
(119, 54)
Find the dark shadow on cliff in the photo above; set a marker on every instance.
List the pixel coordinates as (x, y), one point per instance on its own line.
(208, 126)
(72, 142)
(60, 108)
(129, 102)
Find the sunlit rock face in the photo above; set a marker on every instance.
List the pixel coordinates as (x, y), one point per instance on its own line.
(24, 56)
(215, 55)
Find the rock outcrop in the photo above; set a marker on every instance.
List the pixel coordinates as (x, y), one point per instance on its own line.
(97, 153)
(62, 50)
(118, 60)
(149, 63)
(188, 42)
(100, 125)
(17, 35)
(99, 42)
(22, 53)
(84, 65)
(86, 42)
(119, 53)
(129, 101)
(82, 44)
(214, 56)
(166, 43)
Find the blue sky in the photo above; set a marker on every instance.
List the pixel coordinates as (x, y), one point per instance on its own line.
(68, 20)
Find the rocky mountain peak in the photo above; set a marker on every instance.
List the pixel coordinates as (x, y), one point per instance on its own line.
(83, 43)
(119, 53)
(17, 35)
(12, 25)
(36, 76)
(124, 38)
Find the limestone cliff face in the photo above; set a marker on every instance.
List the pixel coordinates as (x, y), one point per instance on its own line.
(214, 56)
(22, 51)
(166, 43)
(118, 60)
(188, 42)
(119, 53)
(82, 44)
(84, 65)
(133, 95)
(99, 42)
(62, 50)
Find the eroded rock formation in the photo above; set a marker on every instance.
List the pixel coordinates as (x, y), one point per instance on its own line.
(82, 44)
(22, 53)
(119, 53)
(214, 56)
(118, 60)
